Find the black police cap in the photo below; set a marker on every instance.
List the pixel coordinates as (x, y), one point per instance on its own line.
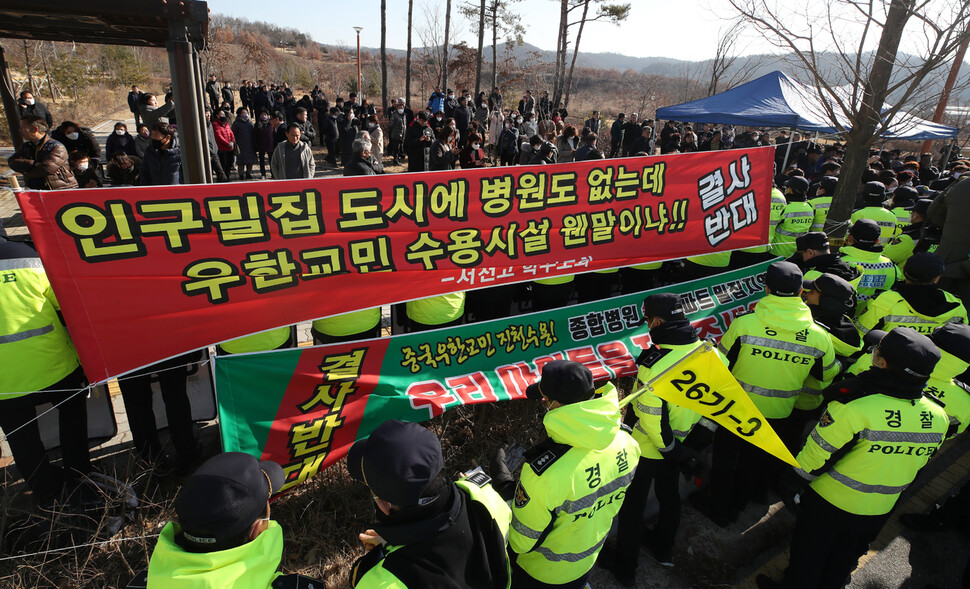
(828, 184)
(798, 184)
(814, 240)
(873, 190)
(833, 287)
(397, 461)
(223, 498)
(907, 350)
(922, 206)
(564, 381)
(865, 231)
(784, 279)
(923, 267)
(665, 305)
(905, 196)
(954, 339)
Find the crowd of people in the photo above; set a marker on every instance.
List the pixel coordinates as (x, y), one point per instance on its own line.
(856, 356)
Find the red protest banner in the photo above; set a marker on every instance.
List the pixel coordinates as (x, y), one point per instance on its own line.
(183, 267)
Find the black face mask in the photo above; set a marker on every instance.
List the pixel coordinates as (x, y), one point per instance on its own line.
(157, 143)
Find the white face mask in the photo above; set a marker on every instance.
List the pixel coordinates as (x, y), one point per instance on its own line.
(484, 105)
(82, 167)
(476, 145)
(451, 96)
(119, 132)
(400, 111)
(72, 136)
(29, 101)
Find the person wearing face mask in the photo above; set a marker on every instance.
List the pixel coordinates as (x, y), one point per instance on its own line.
(77, 138)
(508, 143)
(376, 138)
(417, 142)
(84, 173)
(42, 160)
(245, 133)
(264, 141)
(481, 112)
(225, 140)
(143, 140)
(451, 103)
(584, 468)
(437, 121)
(472, 155)
(430, 532)
(29, 106)
(331, 134)
(397, 124)
(444, 152)
(496, 124)
(120, 141)
(162, 165)
(436, 101)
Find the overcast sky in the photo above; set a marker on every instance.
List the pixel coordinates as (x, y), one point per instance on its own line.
(683, 29)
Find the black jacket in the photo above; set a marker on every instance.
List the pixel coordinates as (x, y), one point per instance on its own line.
(419, 152)
(358, 167)
(161, 167)
(452, 542)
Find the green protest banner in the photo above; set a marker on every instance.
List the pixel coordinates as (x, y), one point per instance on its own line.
(304, 407)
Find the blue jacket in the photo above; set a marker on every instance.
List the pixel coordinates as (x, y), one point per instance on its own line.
(436, 102)
(161, 167)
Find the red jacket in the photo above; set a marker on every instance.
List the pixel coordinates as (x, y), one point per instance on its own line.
(224, 137)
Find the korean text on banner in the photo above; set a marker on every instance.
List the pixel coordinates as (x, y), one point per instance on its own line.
(190, 266)
(304, 407)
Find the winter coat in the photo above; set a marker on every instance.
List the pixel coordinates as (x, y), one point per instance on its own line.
(565, 148)
(224, 137)
(358, 166)
(44, 166)
(142, 144)
(508, 143)
(307, 132)
(396, 125)
(85, 142)
(161, 167)
(263, 137)
(951, 211)
(377, 142)
(419, 152)
(151, 114)
(36, 109)
(245, 134)
(442, 157)
(119, 144)
(495, 126)
(278, 163)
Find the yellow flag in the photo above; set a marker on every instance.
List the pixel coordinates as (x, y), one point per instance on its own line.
(701, 382)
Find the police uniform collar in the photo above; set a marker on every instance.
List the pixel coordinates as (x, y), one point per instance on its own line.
(883, 382)
(420, 523)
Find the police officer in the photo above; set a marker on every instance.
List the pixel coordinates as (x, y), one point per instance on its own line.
(873, 195)
(660, 429)
(918, 303)
(435, 312)
(874, 437)
(901, 247)
(832, 302)
(796, 219)
(953, 341)
(273, 339)
(752, 255)
(814, 258)
(775, 353)
(347, 327)
(862, 249)
(822, 201)
(572, 483)
(904, 197)
(430, 532)
(223, 535)
(36, 354)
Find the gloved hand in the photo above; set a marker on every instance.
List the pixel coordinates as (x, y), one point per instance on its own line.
(502, 479)
(693, 464)
(790, 486)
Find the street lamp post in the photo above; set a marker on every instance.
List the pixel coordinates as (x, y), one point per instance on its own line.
(359, 89)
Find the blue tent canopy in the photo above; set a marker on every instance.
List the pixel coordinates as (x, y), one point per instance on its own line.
(776, 100)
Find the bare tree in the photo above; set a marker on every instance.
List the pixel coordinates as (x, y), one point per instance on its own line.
(497, 16)
(612, 13)
(853, 81)
(444, 46)
(481, 44)
(728, 69)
